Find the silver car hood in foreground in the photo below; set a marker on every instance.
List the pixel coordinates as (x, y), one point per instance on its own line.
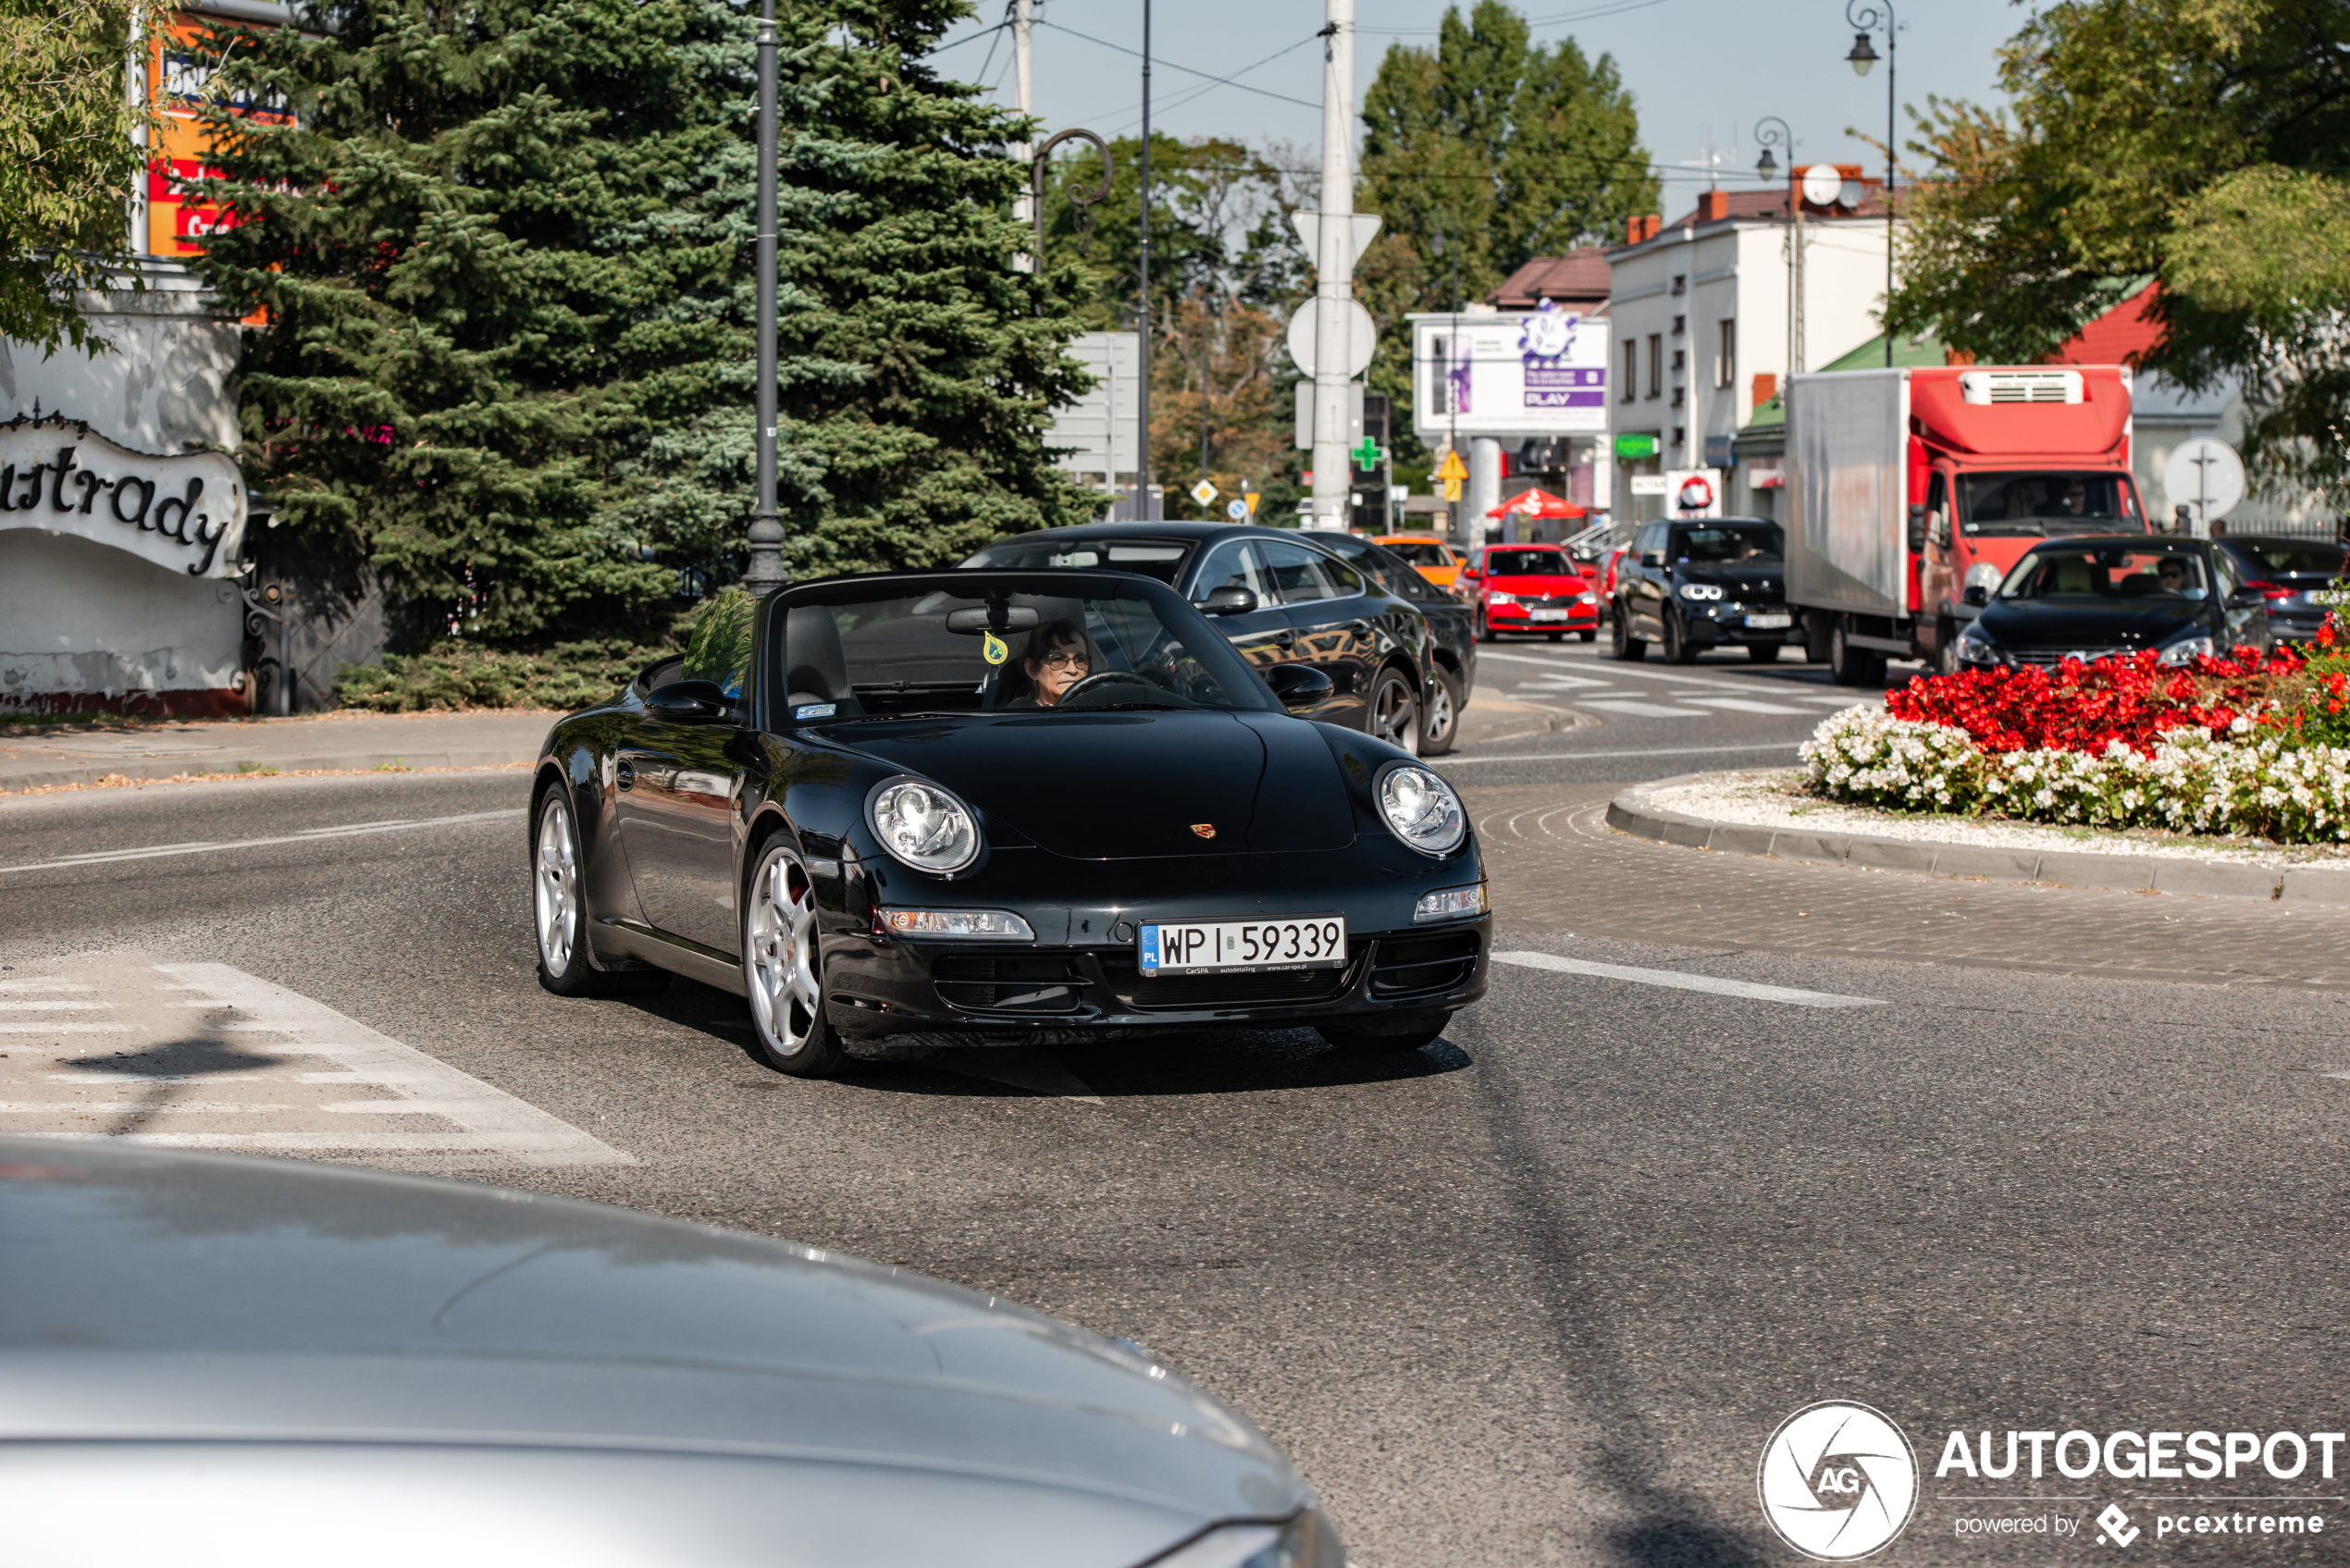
(429, 1367)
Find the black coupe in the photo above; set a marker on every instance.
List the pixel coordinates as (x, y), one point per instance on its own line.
(999, 807)
(2094, 597)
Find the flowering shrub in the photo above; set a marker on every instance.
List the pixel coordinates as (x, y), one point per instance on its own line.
(2091, 708)
(2188, 780)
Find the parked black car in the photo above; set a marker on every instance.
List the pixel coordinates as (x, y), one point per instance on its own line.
(2286, 571)
(988, 808)
(2115, 594)
(1401, 654)
(1700, 582)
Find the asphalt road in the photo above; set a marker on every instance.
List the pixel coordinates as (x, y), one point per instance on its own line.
(1541, 1293)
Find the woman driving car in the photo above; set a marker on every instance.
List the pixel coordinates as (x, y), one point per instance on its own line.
(1055, 659)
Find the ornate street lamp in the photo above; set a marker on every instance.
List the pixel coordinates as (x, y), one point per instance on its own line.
(1866, 20)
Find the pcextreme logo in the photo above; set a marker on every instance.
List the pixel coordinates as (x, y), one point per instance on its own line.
(1837, 1481)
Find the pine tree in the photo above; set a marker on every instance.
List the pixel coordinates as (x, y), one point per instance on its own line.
(505, 257)
(916, 369)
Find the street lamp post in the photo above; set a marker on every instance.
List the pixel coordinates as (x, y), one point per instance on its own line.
(765, 569)
(1142, 315)
(1865, 19)
(1771, 132)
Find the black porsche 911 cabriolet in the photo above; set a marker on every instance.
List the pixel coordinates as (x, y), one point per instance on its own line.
(999, 807)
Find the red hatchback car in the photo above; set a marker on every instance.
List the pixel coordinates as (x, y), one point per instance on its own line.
(1530, 588)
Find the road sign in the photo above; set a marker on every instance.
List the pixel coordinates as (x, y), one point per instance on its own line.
(2206, 477)
(1203, 493)
(1237, 509)
(1361, 340)
(1450, 473)
(1252, 499)
(1361, 229)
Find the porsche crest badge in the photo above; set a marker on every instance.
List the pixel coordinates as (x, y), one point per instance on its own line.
(1206, 830)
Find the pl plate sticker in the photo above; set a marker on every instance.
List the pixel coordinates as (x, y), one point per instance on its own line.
(993, 648)
(815, 711)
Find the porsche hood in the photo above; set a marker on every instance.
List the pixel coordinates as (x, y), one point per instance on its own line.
(1107, 785)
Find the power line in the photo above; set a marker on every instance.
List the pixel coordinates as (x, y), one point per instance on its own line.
(1220, 80)
(1559, 21)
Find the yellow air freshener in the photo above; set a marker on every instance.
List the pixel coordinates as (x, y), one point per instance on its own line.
(993, 647)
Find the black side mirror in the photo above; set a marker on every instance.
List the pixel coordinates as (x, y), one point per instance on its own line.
(1228, 601)
(1299, 688)
(2246, 598)
(690, 702)
(1917, 530)
(1976, 594)
(1651, 557)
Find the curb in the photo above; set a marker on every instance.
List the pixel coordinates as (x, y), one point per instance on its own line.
(1630, 812)
(351, 762)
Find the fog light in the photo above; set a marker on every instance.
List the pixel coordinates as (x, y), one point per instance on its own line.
(1453, 904)
(1000, 925)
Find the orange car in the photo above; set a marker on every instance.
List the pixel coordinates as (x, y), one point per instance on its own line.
(1425, 554)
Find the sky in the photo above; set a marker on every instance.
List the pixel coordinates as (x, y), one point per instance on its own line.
(1701, 72)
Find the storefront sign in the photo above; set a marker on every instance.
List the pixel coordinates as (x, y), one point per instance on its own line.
(184, 513)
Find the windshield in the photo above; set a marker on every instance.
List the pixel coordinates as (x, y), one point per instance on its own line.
(1528, 563)
(1420, 552)
(2283, 558)
(887, 653)
(1730, 544)
(2046, 503)
(2106, 571)
(1161, 558)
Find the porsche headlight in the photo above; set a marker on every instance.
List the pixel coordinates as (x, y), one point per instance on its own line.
(924, 826)
(1421, 808)
(2186, 650)
(1306, 1541)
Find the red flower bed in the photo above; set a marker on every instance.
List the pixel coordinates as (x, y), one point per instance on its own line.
(2078, 707)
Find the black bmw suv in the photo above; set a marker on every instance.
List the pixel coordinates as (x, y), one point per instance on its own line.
(1400, 652)
(1702, 582)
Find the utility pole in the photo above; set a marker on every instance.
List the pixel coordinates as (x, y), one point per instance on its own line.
(1334, 268)
(1202, 382)
(1143, 360)
(765, 571)
(1025, 208)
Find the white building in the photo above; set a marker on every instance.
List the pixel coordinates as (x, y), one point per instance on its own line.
(1707, 325)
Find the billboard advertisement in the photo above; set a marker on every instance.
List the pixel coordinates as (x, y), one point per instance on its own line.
(1522, 373)
(180, 75)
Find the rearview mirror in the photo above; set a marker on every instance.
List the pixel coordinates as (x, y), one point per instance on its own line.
(1917, 529)
(1005, 618)
(1976, 594)
(690, 702)
(1299, 688)
(1228, 599)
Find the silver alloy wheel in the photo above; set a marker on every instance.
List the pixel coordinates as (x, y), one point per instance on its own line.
(556, 886)
(1395, 714)
(784, 996)
(1440, 714)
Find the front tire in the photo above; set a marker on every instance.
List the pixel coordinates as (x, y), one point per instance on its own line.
(783, 968)
(558, 912)
(1677, 648)
(1393, 714)
(1622, 645)
(1850, 666)
(1591, 636)
(1484, 627)
(1765, 652)
(1443, 725)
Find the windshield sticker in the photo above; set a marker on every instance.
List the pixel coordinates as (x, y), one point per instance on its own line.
(815, 711)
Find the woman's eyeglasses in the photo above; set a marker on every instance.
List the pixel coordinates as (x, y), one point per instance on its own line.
(1067, 659)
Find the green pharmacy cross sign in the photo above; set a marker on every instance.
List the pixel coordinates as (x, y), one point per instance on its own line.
(1366, 455)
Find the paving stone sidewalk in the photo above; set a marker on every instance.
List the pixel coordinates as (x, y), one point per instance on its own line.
(320, 743)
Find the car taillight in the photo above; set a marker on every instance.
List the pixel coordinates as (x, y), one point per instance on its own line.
(2271, 590)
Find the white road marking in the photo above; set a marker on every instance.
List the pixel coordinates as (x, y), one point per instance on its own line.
(1772, 685)
(203, 846)
(1744, 705)
(1578, 755)
(1632, 708)
(233, 1039)
(50, 1004)
(1678, 980)
(13, 986)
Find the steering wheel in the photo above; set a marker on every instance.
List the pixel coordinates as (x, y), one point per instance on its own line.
(1099, 678)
